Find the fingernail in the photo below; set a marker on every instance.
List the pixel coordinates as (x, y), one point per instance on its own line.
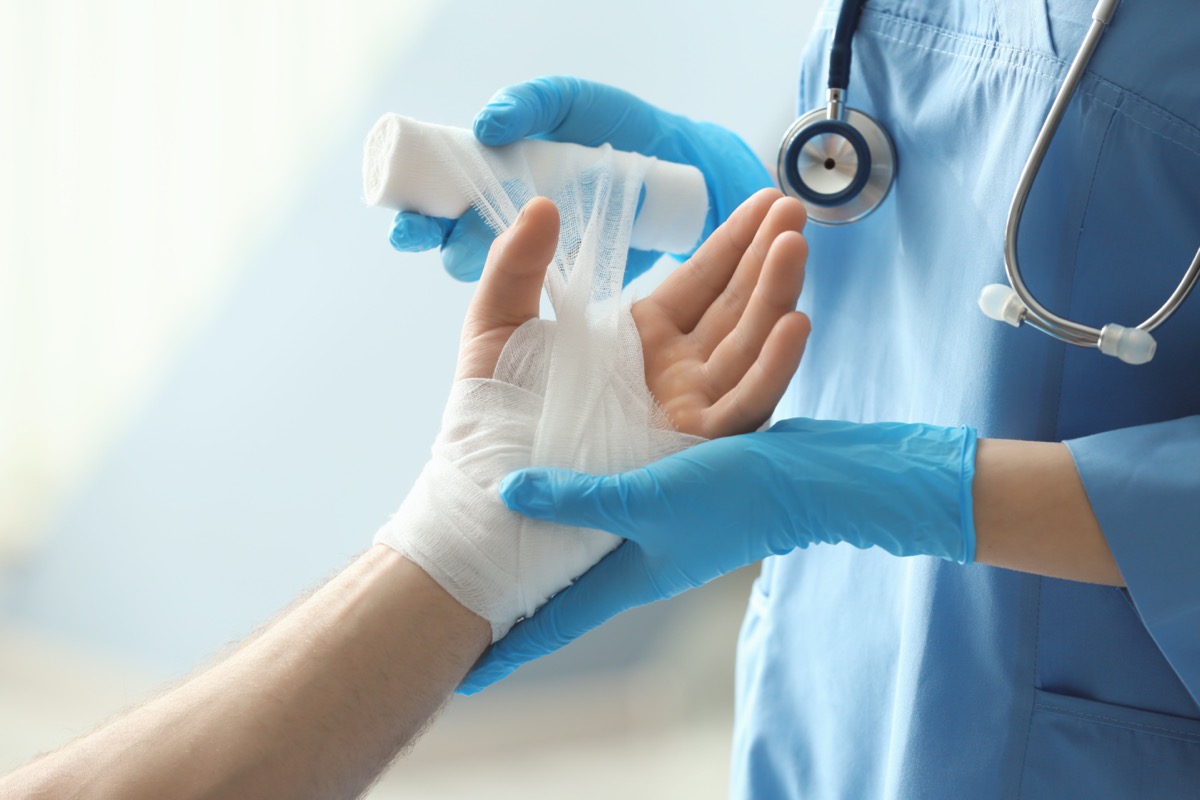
(520, 216)
(527, 492)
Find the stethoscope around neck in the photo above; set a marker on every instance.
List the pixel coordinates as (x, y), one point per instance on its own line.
(841, 164)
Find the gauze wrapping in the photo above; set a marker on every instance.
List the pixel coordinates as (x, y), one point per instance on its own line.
(405, 169)
(565, 393)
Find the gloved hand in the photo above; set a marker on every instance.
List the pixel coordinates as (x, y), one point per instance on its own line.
(712, 508)
(566, 109)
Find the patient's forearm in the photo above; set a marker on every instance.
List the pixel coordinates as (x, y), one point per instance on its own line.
(316, 706)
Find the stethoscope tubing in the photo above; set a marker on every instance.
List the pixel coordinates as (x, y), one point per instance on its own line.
(1035, 314)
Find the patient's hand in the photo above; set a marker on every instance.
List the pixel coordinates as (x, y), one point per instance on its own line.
(720, 341)
(720, 337)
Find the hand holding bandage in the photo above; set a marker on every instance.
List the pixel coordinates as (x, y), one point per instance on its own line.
(718, 342)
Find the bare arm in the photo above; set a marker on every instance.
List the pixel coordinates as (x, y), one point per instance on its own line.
(316, 706)
(321, 701)
(1032, 514)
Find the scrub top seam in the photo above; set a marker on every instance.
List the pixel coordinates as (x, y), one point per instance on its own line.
(998, 17)
(1002, 54)
(1029, 700)
(1087, 201)
(1069, 289)
(1150, 108)
(1117, 722)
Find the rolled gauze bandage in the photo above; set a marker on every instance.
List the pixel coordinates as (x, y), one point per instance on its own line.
(404, 168)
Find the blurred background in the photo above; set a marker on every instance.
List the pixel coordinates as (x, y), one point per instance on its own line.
(217, 379)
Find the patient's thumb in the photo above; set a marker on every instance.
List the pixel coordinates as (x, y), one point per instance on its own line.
(510, 289)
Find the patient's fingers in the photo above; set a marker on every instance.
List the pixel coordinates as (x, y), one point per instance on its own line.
(785, 215)
(688, 291)
(775, 294)
(749, 404)
(510, 289)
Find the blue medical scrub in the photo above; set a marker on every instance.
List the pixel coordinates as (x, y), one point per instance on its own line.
(861, 675)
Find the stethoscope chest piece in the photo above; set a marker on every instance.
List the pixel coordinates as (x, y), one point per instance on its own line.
(841, 169)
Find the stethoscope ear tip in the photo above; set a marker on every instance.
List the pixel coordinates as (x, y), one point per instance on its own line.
(1000, 302)
(1131, 345)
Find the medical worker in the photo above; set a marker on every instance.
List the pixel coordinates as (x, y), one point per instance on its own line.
(986, 581)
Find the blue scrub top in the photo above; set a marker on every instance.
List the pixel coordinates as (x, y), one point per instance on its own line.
(861, 675)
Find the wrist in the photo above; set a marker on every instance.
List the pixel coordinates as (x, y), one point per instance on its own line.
(1032, 514)
(453, 525)
(933, 472)
(394, 573)
(966, 483)
(903, 487)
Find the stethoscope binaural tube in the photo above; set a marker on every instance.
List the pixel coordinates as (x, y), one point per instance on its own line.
(1015, 304)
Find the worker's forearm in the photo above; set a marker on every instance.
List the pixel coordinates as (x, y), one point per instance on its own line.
(314, 707)
(1032, 514)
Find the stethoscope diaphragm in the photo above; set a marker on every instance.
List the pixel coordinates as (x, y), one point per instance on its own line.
(841, 169)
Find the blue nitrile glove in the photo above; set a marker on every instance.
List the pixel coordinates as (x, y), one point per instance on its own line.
(566, 109)
(720, 505)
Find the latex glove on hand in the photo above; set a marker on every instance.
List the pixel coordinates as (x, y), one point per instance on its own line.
(708, 510)
(567, 109)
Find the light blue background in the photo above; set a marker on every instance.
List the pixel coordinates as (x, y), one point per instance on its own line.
(292, 426)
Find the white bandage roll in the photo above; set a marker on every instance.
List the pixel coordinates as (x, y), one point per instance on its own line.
(404, 168)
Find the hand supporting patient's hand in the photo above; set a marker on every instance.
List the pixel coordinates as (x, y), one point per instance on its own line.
(698, 514)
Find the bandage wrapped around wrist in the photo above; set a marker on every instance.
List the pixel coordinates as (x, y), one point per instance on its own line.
(565, 393)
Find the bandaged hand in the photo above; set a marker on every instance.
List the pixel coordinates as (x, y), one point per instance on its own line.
(719, 341)
(561, 108)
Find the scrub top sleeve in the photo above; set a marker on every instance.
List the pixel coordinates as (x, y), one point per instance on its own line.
(1144, 486)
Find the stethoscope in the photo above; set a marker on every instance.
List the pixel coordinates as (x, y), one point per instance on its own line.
(841, 164)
